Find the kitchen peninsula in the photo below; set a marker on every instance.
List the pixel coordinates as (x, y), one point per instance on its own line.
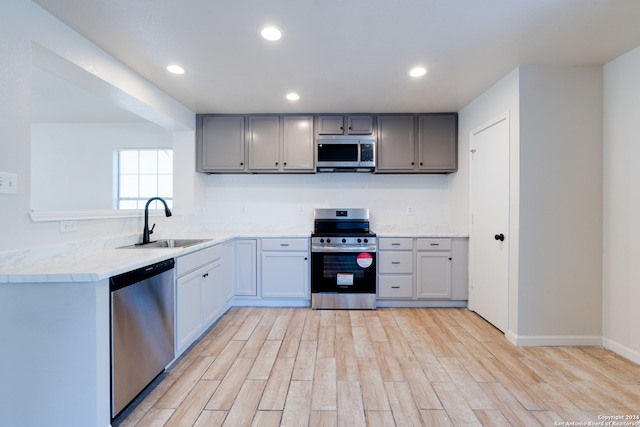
(57, 301)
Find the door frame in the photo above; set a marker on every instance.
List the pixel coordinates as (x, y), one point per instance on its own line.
(505, 116)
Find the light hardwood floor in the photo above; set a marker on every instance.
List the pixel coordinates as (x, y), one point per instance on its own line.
(403, 367)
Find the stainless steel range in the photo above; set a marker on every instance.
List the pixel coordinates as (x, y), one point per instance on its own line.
(343, 260)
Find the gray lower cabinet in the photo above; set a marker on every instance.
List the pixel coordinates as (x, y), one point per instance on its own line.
(420, 143)
(395, 268)
(284, 268)
(433, 268)
(425, 268)
(246, 267)
(204, 290)
(281, 144)
(220, 144)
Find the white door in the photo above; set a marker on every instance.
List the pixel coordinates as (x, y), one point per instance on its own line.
(489, 239)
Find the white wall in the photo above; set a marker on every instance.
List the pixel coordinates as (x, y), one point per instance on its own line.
(502, 97)
(72, 164)
(22, 23)
(274, 201)
(621, 276)
(555, 197)
(560, 219)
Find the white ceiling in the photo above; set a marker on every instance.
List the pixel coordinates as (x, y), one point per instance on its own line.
(347, 55)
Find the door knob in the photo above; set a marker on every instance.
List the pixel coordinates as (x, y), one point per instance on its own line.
(499, 237)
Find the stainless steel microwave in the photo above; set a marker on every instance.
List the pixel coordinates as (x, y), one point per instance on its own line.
(355, 153)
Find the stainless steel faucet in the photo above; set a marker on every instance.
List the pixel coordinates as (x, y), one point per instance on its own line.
(146, 232)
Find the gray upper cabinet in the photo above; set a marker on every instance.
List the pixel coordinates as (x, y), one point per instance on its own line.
(264, 143)
(220, 144)
(437, 143)
(298, 144)
(281, 144)
(355, 125)
(396, 144)
(421, 143)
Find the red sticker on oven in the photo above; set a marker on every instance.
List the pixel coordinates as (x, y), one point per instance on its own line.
(365, 260)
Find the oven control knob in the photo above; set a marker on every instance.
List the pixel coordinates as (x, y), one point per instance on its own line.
(321, 240)
(366, 240)
(344, 240)
(328, 240)
(359, 240)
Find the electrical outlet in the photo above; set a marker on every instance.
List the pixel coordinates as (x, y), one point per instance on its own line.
(8, 183)
(68, 226)
(410, 210)
(301, 210)
(243, 210)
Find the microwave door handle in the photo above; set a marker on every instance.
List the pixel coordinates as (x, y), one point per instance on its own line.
(359, 160)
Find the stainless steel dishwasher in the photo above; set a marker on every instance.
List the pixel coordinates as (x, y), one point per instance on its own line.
(142, 330)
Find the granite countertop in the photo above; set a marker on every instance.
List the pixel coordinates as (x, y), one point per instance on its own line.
(93, 261)
(98, 260)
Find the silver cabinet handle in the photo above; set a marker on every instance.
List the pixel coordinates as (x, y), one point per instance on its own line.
(395, 287)
(395, 262)
(284, 244)
(435, 244)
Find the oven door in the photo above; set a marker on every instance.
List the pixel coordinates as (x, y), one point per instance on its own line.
(343, 272)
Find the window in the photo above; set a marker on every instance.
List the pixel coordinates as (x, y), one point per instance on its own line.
(142, 174)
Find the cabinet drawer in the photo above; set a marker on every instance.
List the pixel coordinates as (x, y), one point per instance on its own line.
(285, 244)
(395, 286)
(194, 260)
(396, 262)
(434, 244)
(391, 243)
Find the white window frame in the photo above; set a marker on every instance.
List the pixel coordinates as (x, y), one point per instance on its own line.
(139, 196)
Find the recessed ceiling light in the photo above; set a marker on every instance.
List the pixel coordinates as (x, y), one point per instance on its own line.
(175, 69)
(418, 71)
(271, 33)
(293, 96)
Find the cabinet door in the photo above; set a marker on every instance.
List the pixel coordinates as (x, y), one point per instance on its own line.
(264, 143)
(298, 143)
(360, 125)
(213, 298)
(189, 312)
(396, 145)
(434, 275)
(285, 274)
(437, 143)
(221, 144)
(330, 125)
(246, 279)
(228, 273)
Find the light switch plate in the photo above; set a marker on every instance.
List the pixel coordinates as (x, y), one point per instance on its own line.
(8, 183)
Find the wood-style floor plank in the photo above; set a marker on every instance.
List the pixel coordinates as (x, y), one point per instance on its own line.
(268, 367)
(277, 386)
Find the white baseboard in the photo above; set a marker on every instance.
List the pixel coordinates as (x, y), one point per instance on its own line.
(622, 350)
(271, 303)
(421, 304)
(553, 340)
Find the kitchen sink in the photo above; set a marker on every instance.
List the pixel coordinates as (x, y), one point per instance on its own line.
(166, 243)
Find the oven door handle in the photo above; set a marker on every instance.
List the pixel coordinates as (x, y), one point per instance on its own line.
(332, 249)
